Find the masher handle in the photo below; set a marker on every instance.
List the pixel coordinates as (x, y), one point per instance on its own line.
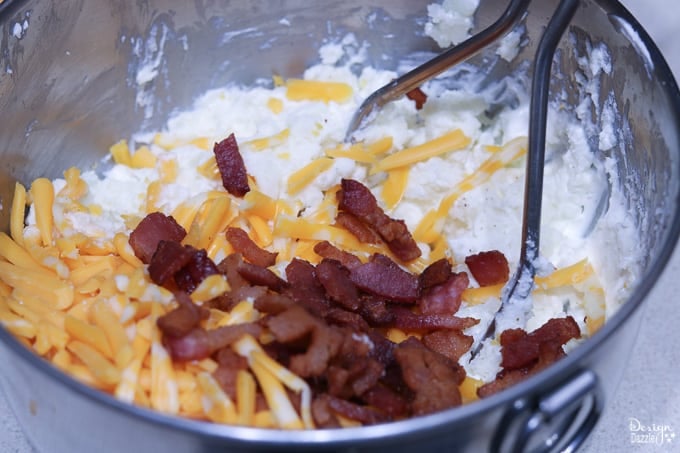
(519, 287)
(432, 68)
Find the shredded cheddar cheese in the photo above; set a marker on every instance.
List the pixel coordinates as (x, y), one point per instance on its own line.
(312, 90)
(453, 141)
(430, 226)
(42, 193)
(304, 176)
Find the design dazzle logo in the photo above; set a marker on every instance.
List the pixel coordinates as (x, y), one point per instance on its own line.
(655, 434)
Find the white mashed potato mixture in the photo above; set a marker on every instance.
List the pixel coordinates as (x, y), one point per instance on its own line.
(454, 175)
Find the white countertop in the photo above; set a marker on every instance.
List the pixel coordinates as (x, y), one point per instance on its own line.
(648, 390)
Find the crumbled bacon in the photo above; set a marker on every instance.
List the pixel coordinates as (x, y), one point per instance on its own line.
(242, 243)
(432, 377)
(229, 267)
(375, 311)
(326, 321)
(449, 343)
(295, 324)
(358, 200)
(273, 303)
(335, 279)
(167, 260)
(446, 297)
(344, 318)
(353, 370)
(200, 343)
(183, 319)
(327, 250)
(390, 402)
(548, 354)
(152, 229)
(359, 229)
(488, 268)
(258, 275)
(436, 273)
(407, 320)
(229, 365)
(323, 415)
(231, 166)
(195, 271)
(418, 96)
(383, 277)
(304, 286)
(354, 379)
(521, 349)
(364, 414)
(524, 354)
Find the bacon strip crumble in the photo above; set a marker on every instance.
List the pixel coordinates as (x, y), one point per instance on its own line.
(231, 166)
(357, 199)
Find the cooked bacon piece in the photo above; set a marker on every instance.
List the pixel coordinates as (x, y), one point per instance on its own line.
(435, 274)
(357, 199)
(503, 380)
(524, 354)
(297, 324)
(229, 365)
(242, 243)
(358, 228)
(382, 349)
(327, 250)
(418, 96)
(231, 166)
(223, 302)
(304, 287)
(548, 354)
(229, 267)
(488, 268)
(364, 374)
(258, 275)
(168, 259)
(230, 299)
(227, 357)
(387, 400)
(152, 229)
(364, 414)
(353, 370)
(199, 343)
(195, 271)
(323, 415)
(407, 320)
(449, 343)
(383, 277)
(374, 310)
(521, 349)
(337, 378)
(241, 288)
(446, 297)
(559, 330)
(432, 377)
(344, 318)
(272, 303)
(181, 320)
(335, 279)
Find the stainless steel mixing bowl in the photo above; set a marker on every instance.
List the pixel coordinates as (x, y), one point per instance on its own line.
(68, 89)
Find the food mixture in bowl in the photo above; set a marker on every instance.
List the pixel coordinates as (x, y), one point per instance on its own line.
(246, 266)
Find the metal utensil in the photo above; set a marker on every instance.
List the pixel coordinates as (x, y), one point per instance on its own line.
(520, 285)
(518, 288)
(432, 68)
